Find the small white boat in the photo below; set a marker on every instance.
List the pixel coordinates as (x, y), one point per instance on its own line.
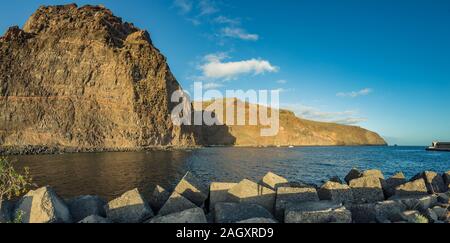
(439, 146)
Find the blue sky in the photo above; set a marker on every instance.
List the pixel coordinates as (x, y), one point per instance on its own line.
(382, 65)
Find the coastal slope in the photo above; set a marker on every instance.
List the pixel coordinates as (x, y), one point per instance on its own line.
(293, 131)
(81, 79)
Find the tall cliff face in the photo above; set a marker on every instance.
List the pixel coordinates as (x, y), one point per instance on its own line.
(80, 77)
(292, 130)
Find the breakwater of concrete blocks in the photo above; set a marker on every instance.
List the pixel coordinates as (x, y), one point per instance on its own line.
(361, 197)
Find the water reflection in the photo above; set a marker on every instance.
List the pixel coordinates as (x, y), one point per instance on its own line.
(111, 174)
(106, 174)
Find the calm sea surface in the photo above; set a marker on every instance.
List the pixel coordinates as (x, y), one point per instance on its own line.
(111, 174)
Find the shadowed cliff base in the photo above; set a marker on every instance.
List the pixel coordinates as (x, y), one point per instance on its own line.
(79, 79)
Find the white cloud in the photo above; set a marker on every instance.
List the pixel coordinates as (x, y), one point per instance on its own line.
(350, 121)
(207, 7)
(207, 11)
(194, 21)
(185, 6)
(216, 57)
(355, 94)
(225, 20)
(312, 112)
(349, 117)
(216, 68)
(239, 33)
(281, 81)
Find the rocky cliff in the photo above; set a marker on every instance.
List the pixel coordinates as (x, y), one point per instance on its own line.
(80, 79)
(293, 131)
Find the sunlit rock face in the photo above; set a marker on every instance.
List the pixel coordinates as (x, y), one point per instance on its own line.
(293, 131)
(83, 78)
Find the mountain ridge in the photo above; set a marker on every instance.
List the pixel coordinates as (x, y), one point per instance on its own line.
(80, 79)
(293, 131)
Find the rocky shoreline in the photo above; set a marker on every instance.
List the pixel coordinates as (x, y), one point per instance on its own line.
(46, 150)
(364, 197)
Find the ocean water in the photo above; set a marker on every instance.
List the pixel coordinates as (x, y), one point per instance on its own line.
(111, 174)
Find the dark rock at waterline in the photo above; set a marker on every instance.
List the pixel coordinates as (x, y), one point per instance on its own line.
(236, 212)
(336, 179)
(353, 174)
(301, 184)
(84, 206)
